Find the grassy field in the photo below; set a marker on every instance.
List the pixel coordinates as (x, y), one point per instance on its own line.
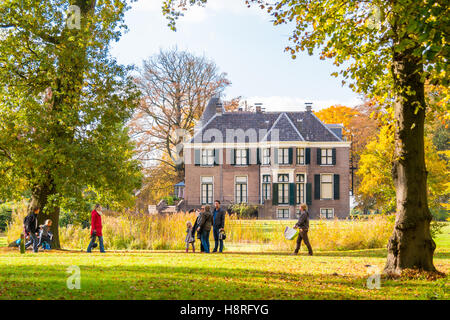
(233, 275)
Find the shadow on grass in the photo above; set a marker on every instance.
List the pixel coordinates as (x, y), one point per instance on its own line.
(440, 253)
(182, 282)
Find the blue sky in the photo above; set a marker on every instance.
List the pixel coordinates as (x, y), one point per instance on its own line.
(244, 44)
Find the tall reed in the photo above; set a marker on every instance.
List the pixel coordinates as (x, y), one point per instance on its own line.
(129, 231)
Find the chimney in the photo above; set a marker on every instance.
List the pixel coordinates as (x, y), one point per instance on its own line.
(219, 107)
(308, 106)
(258, 107)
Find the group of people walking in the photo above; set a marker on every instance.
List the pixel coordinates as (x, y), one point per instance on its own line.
(205, 221)
(37, 235)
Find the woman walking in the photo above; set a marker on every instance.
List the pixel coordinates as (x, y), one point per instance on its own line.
(303, 225)
(96, 228)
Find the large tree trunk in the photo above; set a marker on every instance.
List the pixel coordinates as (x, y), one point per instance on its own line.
(39, 199)
(411, 245)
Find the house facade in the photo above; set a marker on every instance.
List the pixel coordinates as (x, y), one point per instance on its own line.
(275, 160)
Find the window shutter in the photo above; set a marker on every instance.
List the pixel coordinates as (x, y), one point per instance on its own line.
(248, 156)
(233, 156)
(336, 187)
(317, 186)
(334, 156)
(319, 156)
(275, 194)
(197, 157)
(216, 157)
(307, 155)
(291, 155)
(275, 155)
(308, 194)
(258, 156)
(292, 194)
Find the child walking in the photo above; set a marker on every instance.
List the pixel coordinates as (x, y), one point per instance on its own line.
(189, 237)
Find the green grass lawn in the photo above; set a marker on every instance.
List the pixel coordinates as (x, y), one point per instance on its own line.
(177, 275)
(233, 275)
(443, 239)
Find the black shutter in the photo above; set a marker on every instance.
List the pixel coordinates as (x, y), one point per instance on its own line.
(307, 155)
(217, 156)
(275, 155)
(317, 186)
(291, 155)
(258, 156)
(334, 156)
(292, 194)
(336, 187)
(275, 193)
(248, 156)
(308, 194)
(319, 156)
(197, 157)
(232, 157)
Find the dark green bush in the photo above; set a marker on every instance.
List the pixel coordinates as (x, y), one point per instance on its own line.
(245, 210)
(5, 215)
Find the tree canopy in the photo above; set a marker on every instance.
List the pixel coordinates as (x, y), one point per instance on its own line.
(64, 102)
(389, 50)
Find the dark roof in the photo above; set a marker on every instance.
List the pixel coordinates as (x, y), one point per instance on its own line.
(209, 111)
(292, 126)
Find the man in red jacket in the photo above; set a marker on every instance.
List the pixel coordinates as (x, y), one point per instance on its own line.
(96, 228)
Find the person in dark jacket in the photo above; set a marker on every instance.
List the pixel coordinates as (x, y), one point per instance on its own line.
(195, 228)
(303, 225)
(205, 225)
(218, 225)
(31, 227)
(96, 228)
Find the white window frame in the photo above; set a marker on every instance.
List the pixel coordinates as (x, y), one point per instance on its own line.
(283, 189)
(201, 190)
(284, 210)
(242, 197)
(326, 158)
(300, 155)
(300, 198)
(266, 185)
(207, 154)
(325, 216)
(328, 183)
(266, 156)
(283, 156)
(241, 157)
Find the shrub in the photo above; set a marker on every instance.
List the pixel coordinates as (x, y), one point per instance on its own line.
(67, 217)
(5, 215)
(436, 228)
(244, 210)
(439, 214)
(169, 200)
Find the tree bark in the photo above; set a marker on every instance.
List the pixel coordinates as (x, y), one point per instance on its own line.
(39, 199)
(411, 245)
